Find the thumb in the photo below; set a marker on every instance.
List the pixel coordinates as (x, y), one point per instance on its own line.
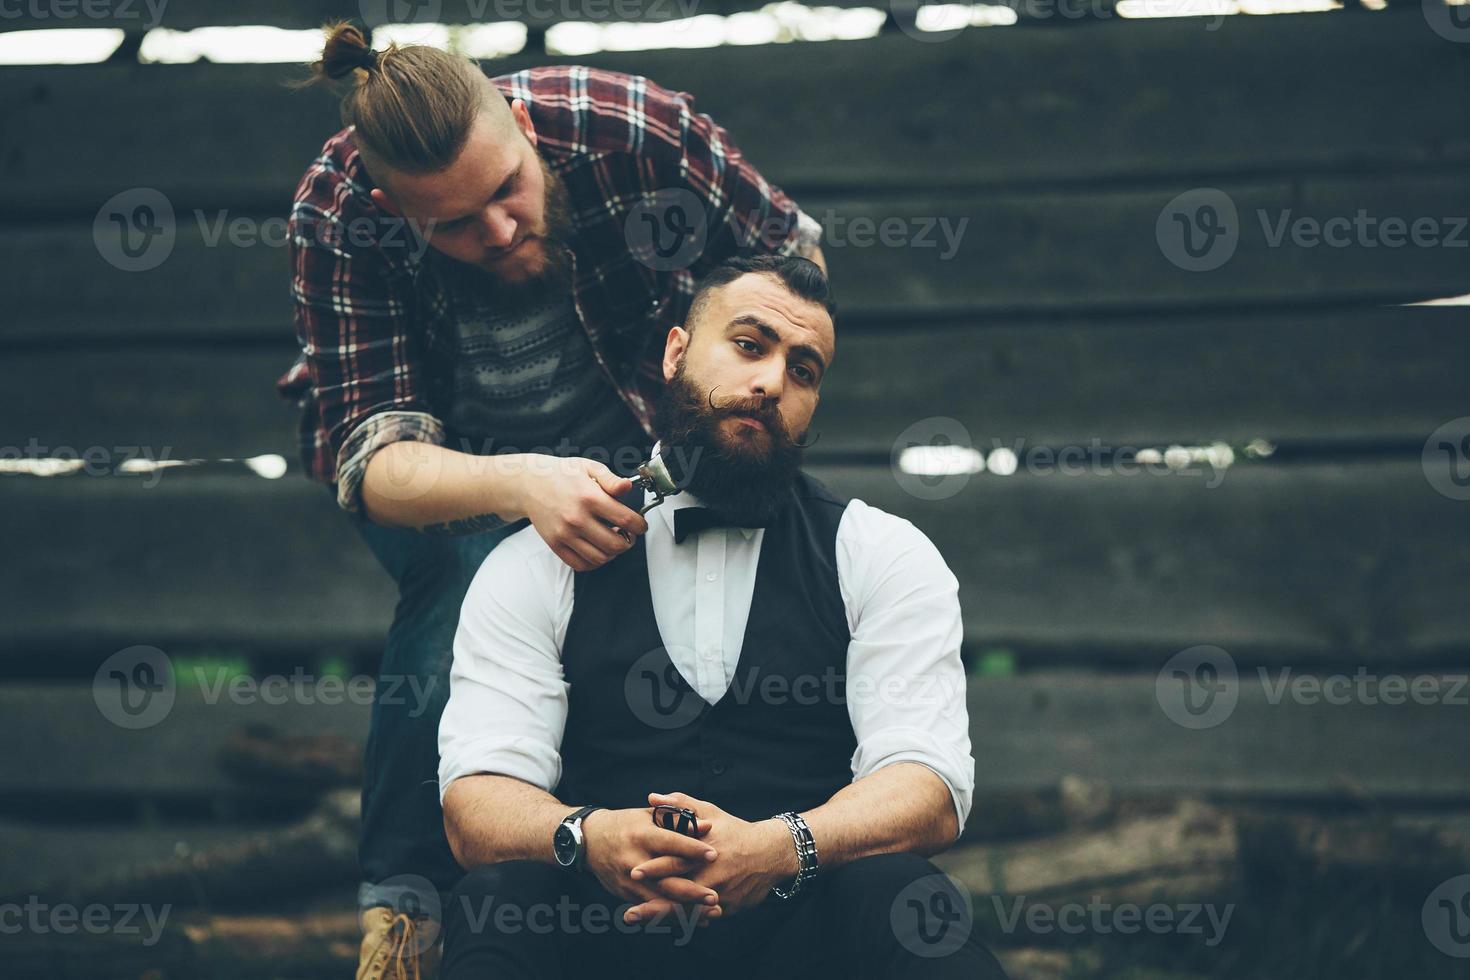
(611, 483)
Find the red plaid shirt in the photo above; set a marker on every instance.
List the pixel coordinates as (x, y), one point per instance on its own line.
(370, 337)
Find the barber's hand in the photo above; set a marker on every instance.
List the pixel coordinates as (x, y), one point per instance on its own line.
(572, 504)
(752, 857)
(618, 840)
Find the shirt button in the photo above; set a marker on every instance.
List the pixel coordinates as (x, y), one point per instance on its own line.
(709, 653)
(710, 576)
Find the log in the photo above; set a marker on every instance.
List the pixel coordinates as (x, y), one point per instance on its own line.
(263, 867)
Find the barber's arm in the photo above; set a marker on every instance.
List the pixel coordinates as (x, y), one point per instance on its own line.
(913, 773)
(500, 739)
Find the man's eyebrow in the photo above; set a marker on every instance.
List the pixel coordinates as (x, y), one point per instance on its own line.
(770, 332)
(511, 178)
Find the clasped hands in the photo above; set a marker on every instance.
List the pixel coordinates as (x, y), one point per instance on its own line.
(731, 865)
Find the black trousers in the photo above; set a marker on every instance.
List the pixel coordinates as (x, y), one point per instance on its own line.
(889, 916)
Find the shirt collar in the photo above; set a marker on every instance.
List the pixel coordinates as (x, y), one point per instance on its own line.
(665, 510)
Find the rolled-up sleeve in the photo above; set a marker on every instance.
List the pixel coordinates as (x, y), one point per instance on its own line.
(507, 703)
(905, 679)
(351, 309)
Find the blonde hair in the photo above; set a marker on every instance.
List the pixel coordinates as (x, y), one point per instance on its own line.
(412, 106)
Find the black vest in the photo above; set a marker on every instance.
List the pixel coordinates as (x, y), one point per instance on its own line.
(779, 739)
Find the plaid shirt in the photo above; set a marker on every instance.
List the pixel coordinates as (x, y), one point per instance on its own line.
(372, 368)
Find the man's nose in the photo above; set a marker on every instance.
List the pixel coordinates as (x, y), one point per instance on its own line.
(498, 228)
(769, 379)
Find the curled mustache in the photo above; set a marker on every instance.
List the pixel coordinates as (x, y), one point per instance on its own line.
(762, 409)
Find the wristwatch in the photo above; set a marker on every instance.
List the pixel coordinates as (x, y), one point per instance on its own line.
(568, 843)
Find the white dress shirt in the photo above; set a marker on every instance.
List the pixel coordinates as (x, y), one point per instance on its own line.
(905, 684)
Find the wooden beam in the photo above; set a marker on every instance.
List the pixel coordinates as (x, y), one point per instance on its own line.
(1297, 564)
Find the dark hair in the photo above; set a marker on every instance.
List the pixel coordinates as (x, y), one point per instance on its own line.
(412, 105)
(802, 276)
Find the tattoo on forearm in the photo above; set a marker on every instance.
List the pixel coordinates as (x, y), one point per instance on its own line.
(465, 525)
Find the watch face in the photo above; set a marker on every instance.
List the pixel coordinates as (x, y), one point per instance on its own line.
(564, 843)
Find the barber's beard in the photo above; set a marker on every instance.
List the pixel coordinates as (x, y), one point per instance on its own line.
(748, 475)
(555, 242)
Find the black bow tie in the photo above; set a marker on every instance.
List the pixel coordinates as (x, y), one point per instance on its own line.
(692, 520)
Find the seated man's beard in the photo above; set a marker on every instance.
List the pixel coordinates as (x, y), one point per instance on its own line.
(747, 475)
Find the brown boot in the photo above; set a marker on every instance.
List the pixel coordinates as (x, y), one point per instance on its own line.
(397, 946)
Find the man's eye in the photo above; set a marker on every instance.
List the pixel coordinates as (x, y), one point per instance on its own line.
(806, 373)
(754, 348)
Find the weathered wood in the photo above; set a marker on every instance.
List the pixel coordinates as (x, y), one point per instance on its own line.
(1190, 854)
(1276, 562)
(1385, 376)
(1031, 734)
(1371, 95)
(309, 855)
(1002, 253)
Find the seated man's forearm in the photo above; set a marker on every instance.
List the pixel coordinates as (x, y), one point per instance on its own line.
(438, 490)
(901, 807)
(490, 818)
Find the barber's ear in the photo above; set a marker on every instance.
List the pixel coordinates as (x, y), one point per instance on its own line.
(523, 119)
(386, 203)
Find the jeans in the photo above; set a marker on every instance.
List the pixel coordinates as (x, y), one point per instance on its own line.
(884, 917)
(403, 853)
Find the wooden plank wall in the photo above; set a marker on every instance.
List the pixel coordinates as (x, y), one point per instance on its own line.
(1057, 321)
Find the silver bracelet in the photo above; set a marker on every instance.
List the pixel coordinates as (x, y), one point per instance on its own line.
(806, 854)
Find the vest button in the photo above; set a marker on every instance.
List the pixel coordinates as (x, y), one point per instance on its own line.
(718, 768)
